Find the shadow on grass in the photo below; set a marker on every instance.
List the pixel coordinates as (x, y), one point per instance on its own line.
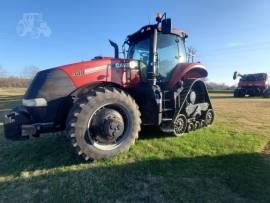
(47, 152)
(150, 132)
(36, 154)
(227, 178)
(46, 169)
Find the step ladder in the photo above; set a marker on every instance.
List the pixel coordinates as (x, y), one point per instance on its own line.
(168, 106)
(171, 100)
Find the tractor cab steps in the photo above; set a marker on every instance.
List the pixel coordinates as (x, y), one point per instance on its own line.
(168, 105)
(171, 100)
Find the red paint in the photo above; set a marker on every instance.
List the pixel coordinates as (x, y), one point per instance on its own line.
(104, 70)
(187, 70)
(100, 70)
(261, 83)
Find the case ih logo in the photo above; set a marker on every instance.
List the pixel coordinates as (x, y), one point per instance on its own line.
(120, 65)
(88, 71)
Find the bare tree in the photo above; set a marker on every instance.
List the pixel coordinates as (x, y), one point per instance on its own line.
(213, 86)
(191, 52)
(3, 72)
(29, 72)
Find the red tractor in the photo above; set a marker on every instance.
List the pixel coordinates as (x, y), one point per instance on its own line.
(101, 103)
(257, 84)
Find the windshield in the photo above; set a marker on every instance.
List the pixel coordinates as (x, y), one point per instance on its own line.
(170, 48)
(139, 51)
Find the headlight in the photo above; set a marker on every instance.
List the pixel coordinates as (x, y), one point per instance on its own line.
(34, 102)
(133, 64)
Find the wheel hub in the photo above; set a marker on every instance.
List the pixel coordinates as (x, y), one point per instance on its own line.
(112, 128)
(180, 125)
(108, 125)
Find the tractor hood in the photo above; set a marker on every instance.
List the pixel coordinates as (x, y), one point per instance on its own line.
(63, 80)
(102, 69)
(50, 90)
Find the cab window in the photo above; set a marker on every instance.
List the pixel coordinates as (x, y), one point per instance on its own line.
(171, 51)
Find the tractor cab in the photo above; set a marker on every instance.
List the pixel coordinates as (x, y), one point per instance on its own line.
(158, 49)
(170, 51)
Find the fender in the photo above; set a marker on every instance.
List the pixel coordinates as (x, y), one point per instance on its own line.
(187, 71)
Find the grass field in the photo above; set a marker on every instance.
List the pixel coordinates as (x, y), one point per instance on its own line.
(227, 162)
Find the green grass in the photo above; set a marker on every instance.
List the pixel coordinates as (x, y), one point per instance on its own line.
(222, 163)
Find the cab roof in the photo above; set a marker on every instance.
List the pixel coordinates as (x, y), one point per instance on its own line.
(144, 32)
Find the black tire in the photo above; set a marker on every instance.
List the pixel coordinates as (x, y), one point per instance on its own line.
(267, 93)
(236, 93)
(239, 93)
(86, 111)
(242, 93)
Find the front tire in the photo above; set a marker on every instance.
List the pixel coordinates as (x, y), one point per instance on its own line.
(103, 123)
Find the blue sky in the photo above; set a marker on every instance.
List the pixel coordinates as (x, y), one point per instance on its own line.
(228, 34)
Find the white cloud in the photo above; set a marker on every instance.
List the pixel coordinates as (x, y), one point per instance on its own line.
(233, 44)
(32, 24)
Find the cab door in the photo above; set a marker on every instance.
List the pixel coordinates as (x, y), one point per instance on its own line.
(171, 51)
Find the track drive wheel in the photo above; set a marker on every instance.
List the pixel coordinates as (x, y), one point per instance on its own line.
(103, 123)
(209, 117)
(203, 124)
(180, 125)
(190, 127)
(197, 125)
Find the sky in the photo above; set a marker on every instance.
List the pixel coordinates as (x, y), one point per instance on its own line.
(228, 35)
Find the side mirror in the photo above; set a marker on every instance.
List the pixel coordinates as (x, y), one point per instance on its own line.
(235, 74)
(166, 25)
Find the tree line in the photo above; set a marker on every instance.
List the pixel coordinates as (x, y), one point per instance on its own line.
(212, 86)
(23, 80)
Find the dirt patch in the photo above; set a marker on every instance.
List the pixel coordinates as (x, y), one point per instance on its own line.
(266, 150)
